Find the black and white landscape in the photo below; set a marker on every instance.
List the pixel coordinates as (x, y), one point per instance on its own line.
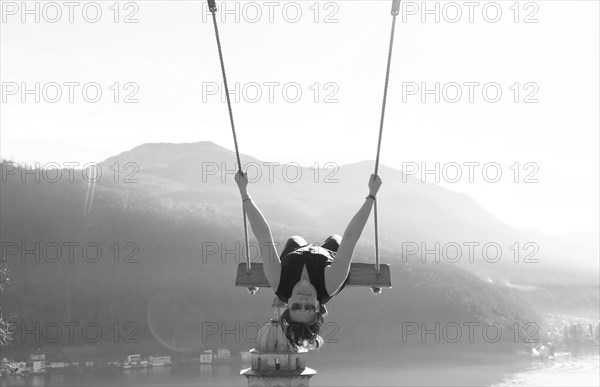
(122, 225)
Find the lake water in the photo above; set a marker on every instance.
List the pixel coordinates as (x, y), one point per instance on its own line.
(566, 370)
(474, 369)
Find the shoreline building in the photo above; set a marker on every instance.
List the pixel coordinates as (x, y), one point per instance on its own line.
(38, 363)
(206, 357)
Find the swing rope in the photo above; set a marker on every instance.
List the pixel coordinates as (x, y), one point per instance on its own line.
(213, 9)
(395, 11)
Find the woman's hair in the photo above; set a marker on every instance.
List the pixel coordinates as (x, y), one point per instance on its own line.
(302, 335)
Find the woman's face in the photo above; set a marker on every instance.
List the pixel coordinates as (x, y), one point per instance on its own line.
(303, 303)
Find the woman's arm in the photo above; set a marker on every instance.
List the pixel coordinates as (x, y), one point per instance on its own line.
(336, 274)
(262, 232)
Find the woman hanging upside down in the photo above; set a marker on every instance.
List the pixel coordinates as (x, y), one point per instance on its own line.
(307, 275)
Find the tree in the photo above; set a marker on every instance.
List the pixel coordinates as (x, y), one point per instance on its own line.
(5, 334)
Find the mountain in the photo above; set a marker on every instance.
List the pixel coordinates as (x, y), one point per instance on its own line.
(169, 228)
(413, 215)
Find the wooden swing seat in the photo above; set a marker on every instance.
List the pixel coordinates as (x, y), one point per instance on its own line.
(361, 274)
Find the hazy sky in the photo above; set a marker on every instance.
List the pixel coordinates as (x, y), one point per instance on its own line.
(542, 56)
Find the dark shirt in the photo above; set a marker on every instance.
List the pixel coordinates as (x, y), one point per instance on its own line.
(315, 258)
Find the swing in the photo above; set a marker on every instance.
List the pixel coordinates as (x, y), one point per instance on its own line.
(361, 274)
(376, 276)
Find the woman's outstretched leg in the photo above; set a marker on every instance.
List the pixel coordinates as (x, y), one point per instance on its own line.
(332, 242)
(292, 244)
